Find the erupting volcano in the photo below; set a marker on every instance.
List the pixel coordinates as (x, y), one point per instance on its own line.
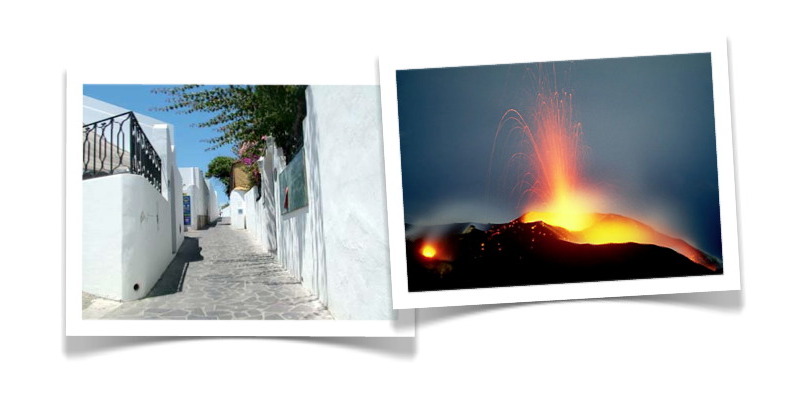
(564, 200)
(563, 233)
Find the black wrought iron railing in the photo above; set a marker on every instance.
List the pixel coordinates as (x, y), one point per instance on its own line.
(106, 151)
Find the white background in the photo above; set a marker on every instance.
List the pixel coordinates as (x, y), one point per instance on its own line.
(717, 345)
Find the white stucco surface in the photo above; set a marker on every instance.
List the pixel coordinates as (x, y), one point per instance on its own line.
(102, 237)
(177, 206)
(338, 244)
(344, 134)
(195, 185)
(130, 229)
(268, 166)
(237, 209)
(213, 202)
(126, 236)
(252, 218)
(171, 181)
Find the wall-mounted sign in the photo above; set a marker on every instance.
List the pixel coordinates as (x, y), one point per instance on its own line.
(187, 209)
(292, 182)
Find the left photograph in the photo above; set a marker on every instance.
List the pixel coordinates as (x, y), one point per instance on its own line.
(233, 202)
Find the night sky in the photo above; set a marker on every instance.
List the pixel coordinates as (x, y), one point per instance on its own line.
(648, 132)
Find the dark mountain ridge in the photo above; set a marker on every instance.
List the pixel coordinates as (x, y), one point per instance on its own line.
(519, 253)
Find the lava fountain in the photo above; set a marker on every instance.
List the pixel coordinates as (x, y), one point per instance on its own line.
(553, 188)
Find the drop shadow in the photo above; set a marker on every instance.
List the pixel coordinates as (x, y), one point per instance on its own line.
(79, 346)
(84, 346)
(426, 316)
(402, 347)
(729, 301)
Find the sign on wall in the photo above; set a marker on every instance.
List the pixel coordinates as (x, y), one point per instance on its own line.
(187, 209)
(292, 183)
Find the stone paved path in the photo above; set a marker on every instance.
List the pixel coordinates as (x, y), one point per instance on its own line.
(222, 273)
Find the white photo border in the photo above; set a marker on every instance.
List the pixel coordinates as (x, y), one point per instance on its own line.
(729, 280)
(292, 70)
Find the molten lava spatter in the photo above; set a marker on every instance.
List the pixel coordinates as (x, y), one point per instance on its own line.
(559, 194)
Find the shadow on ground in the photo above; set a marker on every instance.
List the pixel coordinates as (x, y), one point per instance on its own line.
(210, 225)
(172, 280)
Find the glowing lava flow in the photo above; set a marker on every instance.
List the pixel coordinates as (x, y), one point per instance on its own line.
(428, 251)
(564, 199)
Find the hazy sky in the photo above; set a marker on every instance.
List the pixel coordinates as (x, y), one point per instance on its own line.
(648, 132)
(190, 150)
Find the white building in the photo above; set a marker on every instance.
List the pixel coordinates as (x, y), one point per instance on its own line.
(213, 202)
(132, 221)
(336, 241)
(199, 199)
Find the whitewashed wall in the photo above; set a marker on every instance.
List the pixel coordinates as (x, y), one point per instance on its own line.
(171, 182)
(194, 196)
(237, 209)
(300, 242)
(130, 230)
(161, 136)
(267, 206)
(338, 245)
(177, 205)
(252, 218)
(126, 236)
(195, 185)
(344, 136)
(213, 202)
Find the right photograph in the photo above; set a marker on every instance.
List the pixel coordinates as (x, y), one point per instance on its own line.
(562, 172)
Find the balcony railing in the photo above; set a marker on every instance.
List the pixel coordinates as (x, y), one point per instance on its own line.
(106, 152)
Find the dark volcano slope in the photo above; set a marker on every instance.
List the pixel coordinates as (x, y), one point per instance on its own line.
(518, 254)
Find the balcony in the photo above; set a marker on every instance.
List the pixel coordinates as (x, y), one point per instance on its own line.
(118, 145)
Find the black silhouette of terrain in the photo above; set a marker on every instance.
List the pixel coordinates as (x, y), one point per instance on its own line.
(518, 253)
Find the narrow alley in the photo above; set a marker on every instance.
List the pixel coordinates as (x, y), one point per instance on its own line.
(218, 273)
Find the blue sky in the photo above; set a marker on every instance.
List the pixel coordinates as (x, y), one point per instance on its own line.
(189, 145)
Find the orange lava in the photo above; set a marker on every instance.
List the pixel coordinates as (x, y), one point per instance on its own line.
(428, 251)
(612, 228)
(563, 199)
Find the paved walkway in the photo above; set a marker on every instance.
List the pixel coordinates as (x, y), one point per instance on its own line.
(219, 273)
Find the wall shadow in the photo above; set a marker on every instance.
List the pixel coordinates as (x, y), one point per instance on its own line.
(171, 280)
(319, 268)
(292, 227)
(210, 224)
